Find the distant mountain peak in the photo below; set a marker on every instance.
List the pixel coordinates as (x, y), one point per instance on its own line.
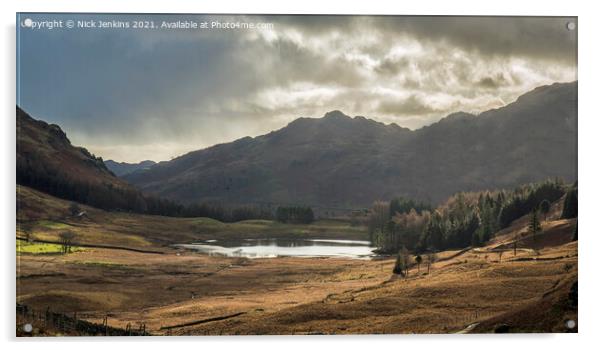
(339, 160)
(336, 114)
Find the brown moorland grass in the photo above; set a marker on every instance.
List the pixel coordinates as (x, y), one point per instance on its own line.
(181, 292)
(288, 295)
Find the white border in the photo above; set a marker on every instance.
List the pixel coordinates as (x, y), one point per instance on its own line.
(590, 93)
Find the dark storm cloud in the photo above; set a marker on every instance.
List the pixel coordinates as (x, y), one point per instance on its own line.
(543, 38)
(538, 37)
(134, 95)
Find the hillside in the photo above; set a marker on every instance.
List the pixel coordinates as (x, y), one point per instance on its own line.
(341, 161)
(47, 161)
(44, 217)
(46, 146)
(123, 168)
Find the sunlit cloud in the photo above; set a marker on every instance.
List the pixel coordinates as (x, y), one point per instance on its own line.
(155, 95)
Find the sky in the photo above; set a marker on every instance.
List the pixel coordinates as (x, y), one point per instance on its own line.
(140, 93)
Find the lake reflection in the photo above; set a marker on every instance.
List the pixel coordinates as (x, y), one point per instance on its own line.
(271, 248)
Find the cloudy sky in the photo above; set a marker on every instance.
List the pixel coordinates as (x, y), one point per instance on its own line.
(131, 95)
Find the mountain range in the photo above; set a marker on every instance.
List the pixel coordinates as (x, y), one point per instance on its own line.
(123, 168)
(342, 161)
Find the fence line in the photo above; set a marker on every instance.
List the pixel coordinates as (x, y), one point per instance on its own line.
(66, 323)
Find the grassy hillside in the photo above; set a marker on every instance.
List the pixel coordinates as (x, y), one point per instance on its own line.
(44, 217)
(42, 146)
(47, 161)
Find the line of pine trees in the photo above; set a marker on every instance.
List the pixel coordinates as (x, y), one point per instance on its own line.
(106, 196)
(295, 215)
(226, 213)
(524, 199)
(466, 219)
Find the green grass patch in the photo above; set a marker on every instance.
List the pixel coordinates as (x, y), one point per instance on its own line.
(24, 247)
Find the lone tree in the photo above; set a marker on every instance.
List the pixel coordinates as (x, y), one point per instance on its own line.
(431, 257)
(402, 262)
(66, 241)
(544, 207)
(74, 209)
(534, 225)
(418, 260)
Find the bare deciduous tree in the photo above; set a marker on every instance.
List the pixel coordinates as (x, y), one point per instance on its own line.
(66, 238)
(402, 262)
(405, 258)
(431, 258)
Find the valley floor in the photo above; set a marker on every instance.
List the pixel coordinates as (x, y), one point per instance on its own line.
(294, 295)
(178, 292)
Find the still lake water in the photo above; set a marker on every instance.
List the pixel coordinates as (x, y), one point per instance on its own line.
(271, 248)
